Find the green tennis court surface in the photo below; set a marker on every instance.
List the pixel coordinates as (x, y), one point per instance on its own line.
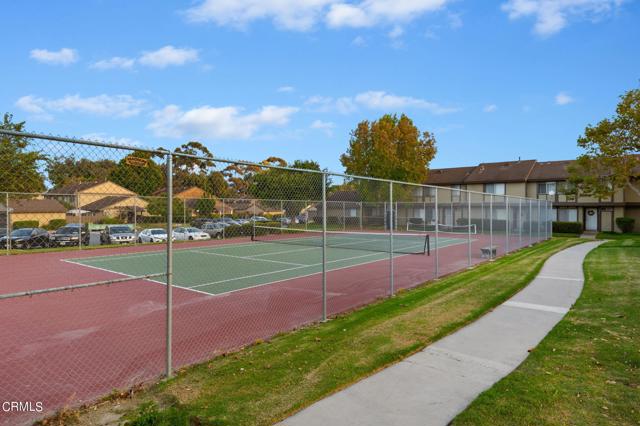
(222, 268)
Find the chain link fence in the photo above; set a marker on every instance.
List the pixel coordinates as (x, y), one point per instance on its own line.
(122, 263)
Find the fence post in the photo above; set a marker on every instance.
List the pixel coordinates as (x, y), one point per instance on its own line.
(169, 331)
(530, 202)
(361, 213)
(135, 217)
(184, 211)
(8, 220)
(469, 229)
(391, 224)
(520, 222)
(538, 238)
(324, 246)
(79, 213)
(507, 222)
(491, 227)
(437, 251)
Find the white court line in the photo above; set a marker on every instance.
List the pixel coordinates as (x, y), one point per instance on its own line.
(244, 258)
(133, 276)
(536, 307)
(301, 267)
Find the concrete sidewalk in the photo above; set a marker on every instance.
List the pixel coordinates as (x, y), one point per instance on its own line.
(434, 385)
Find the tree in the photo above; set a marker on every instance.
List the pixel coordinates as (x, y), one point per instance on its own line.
(68, 170)
(138, 173)
(19, 165)
(390, 148)
(192, 170)
(611, 147)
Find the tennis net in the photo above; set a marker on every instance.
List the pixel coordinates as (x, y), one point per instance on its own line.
(403, 243)
(445, 229)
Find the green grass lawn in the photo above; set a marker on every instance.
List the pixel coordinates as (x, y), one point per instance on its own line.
(615, 236)
(268, 381)
(566, 234)
(587, 370)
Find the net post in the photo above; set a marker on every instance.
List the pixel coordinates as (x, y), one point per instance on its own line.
(169, 325)
(391, 222)
(469, 229)
(507, 222)
(437, 244)
(491, 226)
(324, 246)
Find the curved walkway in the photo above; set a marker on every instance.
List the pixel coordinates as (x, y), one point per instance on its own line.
(434, 385)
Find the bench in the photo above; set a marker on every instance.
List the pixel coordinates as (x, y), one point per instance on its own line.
(488, 252)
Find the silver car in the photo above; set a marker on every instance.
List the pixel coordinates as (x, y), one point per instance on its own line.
(153, 235)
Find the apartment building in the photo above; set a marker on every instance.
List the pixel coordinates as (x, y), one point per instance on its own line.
(545, 180)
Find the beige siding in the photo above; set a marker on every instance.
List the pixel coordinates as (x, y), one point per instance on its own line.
(100, 191)
(605, 220)
(631, 195)
(42, 218)
(633, 212)
(516, 189)
(531, 190)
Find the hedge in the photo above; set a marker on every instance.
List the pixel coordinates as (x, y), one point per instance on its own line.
(247, 229)
(19, 224)
(625, 224)
(567, 227)
(110, 221)
(56, 223)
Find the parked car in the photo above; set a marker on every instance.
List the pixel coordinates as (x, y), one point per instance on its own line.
(215, 229)
(117, 234)
(284, 221)
(26, 238)
(189, 233)
(70, 235)
(258, 219)
(230, 221)
(197, 223)
(243, 221)
(153, 235)
(302, 218)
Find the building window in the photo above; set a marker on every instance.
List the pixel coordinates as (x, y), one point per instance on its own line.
(567, 215)
(547, 188)
(494, 188)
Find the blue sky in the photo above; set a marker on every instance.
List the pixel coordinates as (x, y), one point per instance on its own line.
(493, 80)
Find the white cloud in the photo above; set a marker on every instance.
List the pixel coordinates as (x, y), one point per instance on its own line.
(552, 16)
(368, 13)
(286, 89)
(396, 32)
(115, 62)
(563, 98)
(375, 100)
(490, 108)
(168, 56)
(120, 106)
(325, 126)
(303, 15)
(216, 122)
(103, 137)
(64, 56)
(386, 101)
(297, 15)
(359, 41)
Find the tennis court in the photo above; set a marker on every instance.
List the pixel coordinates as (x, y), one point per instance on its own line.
(275, 256)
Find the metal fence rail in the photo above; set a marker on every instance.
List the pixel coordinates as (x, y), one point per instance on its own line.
(123, 263)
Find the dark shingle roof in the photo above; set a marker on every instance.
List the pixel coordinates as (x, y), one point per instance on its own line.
(36, 206)
(104, 202)
(550, 170)
(350, 196)
(73, 188)
(506, 171)
(449, 176)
